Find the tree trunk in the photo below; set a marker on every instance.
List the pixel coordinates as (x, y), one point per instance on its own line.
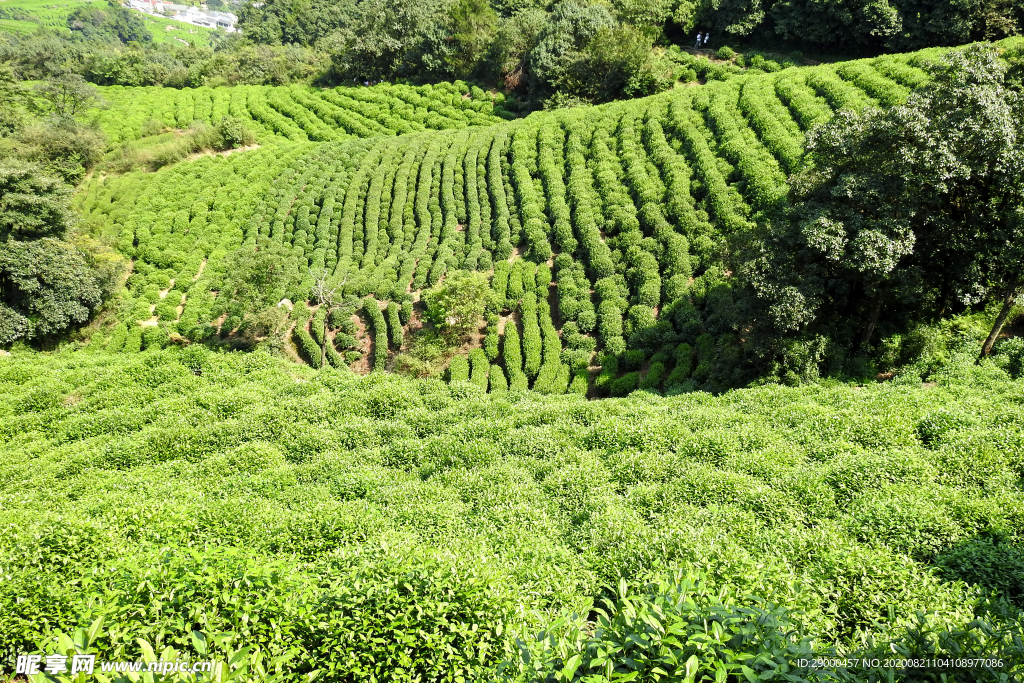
(869, 329)
(997, 328)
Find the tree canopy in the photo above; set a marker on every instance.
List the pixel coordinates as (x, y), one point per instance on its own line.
(898, 207)
(112, 22)
(47, 283)
(32, 205)
(456, 304)
(258, 277)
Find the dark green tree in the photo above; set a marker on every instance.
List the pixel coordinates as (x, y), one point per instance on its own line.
(385, 39)
(46, 283)
(32, 205)
(846, 24)
(473, 25)
(110, 23)
(562, 41)
(925, 199)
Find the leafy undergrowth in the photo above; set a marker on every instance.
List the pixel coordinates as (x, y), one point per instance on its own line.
(381, 528)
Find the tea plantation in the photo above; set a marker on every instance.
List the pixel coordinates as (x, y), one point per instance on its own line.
(382, 528)
(250, 452)
(600, 228)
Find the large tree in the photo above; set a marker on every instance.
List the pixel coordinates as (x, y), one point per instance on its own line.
(257, 277)
(32, 205)
(46, 283)
(456, 305)
(925, 199)
(67, 94)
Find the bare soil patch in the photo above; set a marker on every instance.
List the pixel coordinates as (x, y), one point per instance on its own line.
(362, 366)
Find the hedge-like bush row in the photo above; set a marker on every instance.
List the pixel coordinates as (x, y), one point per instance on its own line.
(772, 122)
(395, 326)
(308, 347)
(553, 377)
(512, 358)
(458, 369)
(479, 368)
(532, 342)
(550, 162)
(535, 225)
(491, 338)
(838, 93)
(497, 384)
(765, 182)
(722, 200)
(896, 70)
(807, 107)
(296, 112)
(379, 329)
(887, 92)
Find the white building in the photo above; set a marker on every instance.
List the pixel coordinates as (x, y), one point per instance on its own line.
(186, 14)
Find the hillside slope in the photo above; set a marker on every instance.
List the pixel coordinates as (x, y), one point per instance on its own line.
(27, 15)
(301, 113)
(603, 227)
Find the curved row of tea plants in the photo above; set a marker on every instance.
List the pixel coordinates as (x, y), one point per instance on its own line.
(299, 112)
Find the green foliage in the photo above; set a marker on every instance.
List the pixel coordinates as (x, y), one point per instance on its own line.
(479, 368)
(62, 146)
(112, 22)
(458, 369)
(651, 206)
(47, 286)
(457, 305)
(67, 94)
(288, 510)
(32, 205)
(380, 333)
(256, 278)
(395, 325)
(677, 624)
(890, 243)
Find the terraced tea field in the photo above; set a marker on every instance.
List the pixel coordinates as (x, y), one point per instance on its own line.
(591, 223)
(301, 113)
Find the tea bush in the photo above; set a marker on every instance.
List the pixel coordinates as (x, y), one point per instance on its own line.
(407, 529)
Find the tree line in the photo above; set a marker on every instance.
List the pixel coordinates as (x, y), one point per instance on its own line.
(553, 53)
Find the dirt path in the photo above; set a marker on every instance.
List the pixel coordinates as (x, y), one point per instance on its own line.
(362, 366)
